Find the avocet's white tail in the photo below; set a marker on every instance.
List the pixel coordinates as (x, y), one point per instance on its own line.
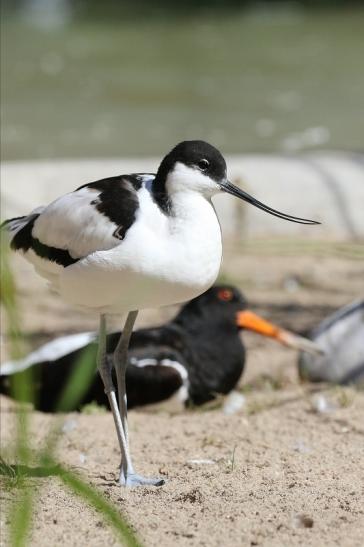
(14, 225)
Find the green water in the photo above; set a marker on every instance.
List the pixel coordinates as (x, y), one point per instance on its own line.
(246, 82)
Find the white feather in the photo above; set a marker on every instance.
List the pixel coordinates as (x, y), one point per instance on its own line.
(72, 223)
(49, 352)
(13, 226)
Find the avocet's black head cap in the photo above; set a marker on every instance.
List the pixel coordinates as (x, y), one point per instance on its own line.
(196, 154)
(206, 159)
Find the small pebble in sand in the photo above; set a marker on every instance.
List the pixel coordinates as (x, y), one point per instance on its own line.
(200, 462)
(291, 283)
(69, 425)
(322, 405)
(301, 447)
(82, 458)
(302, 521)
(233, 403)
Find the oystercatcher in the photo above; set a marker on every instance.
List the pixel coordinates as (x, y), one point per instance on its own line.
(194, 357)
(131, 242)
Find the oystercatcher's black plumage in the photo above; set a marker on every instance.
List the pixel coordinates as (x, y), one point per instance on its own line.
(197, 355)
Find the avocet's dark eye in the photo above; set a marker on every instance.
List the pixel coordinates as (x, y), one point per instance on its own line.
(203, 164)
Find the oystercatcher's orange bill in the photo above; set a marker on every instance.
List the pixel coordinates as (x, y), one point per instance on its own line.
(248, 320)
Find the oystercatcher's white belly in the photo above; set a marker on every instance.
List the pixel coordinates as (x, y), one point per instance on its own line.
(163, 260)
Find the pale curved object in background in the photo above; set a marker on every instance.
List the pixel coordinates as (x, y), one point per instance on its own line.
(341, 336)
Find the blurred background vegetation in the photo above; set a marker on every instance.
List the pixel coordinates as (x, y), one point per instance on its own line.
(115, 78)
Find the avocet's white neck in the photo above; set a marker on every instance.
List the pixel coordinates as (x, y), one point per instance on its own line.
(193, 214)
(195, 236)
(184, 180)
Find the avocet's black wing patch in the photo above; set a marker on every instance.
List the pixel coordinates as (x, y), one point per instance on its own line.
(53, 254)
(23, 240)
(117, 200)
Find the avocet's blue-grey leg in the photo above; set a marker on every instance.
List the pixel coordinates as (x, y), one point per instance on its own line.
(128, 477)
(105, 369)
(120, 363)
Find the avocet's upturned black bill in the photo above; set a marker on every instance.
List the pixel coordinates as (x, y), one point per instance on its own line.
(132, 242)
(235, 191)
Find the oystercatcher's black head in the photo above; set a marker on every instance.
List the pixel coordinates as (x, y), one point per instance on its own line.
(198, 166)
(222, 310)
(220, 305)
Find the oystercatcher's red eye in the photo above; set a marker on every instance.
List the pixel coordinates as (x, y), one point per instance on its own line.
(225, 295)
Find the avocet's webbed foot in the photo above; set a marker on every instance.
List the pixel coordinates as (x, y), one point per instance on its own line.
(133, 479)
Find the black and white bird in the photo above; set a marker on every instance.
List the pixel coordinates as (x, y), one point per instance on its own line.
(196, 356)
(132, 242)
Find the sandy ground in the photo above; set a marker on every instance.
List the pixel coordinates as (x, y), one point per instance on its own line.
(280, 472)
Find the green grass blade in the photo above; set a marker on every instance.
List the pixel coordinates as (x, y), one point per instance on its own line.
(79, 381)
(22, 390)
(22, 383)
(21, 517)
(8, 301)
(97, 500)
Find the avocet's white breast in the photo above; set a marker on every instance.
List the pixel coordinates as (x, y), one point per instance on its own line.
(164, 259)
